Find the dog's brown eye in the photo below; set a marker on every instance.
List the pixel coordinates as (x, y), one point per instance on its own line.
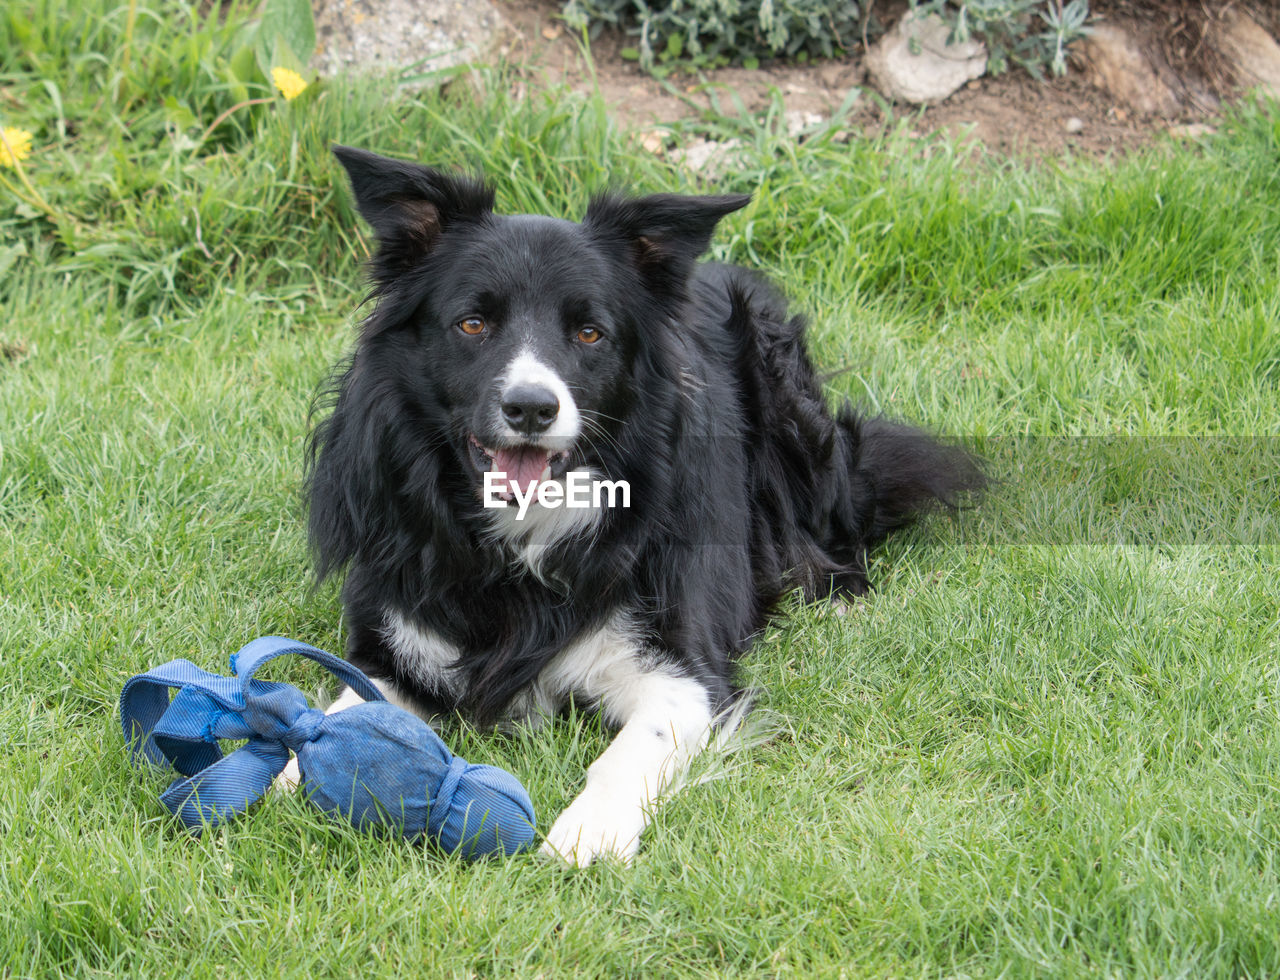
(589, 335)
(472, 326)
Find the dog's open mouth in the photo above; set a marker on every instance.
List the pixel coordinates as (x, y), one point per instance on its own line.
(520, 466)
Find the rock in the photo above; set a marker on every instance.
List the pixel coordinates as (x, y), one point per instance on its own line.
(654, 141)
(798, 121)
(914, 63)
(1114, 62)
(1191, 131)
(1074, 125)
(706, 157)
(392, 36)
(1252, 53)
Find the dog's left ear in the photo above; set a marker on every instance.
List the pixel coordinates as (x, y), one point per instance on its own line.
(662, 234)
(408, 205)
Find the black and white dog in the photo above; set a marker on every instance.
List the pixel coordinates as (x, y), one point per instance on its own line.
(510, 363)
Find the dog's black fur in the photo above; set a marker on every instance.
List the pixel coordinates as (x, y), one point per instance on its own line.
(699, 391)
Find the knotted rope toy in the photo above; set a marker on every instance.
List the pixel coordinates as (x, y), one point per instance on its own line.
(374, 764)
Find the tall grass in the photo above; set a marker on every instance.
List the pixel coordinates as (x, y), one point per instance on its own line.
(1045, 746)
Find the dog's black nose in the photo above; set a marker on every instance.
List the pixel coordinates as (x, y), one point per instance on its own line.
(530, 408)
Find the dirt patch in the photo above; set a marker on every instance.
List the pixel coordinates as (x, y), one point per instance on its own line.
(1012, 113)
(13, 351)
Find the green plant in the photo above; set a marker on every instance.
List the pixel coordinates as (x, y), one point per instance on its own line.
(706, 33)
(187, 89)
(1008, 28)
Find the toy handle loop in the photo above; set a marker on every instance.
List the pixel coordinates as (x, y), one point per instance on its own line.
(246, 661)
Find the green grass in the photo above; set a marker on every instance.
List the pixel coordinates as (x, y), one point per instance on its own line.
(1048, 745)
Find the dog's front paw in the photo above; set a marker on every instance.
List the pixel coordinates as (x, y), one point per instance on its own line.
(595, 826)
(289, 779)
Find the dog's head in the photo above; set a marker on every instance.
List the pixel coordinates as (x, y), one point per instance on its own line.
(516, 338)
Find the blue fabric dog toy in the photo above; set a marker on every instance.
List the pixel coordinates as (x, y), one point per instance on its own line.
(375, 764)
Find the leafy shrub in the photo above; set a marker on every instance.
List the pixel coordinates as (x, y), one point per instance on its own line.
(707, 33)
(1008, 28)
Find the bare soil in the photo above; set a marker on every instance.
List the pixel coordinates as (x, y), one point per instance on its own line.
(1010, 114)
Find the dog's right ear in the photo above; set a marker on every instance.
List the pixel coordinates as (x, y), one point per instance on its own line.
(409, 205)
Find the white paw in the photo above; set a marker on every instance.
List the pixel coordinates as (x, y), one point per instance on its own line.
(594, 826)
(288, 780)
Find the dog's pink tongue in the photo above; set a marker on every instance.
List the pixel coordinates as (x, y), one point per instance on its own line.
(522, 466)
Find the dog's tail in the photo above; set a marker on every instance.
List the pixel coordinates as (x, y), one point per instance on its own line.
(896, 474)
(904, 472)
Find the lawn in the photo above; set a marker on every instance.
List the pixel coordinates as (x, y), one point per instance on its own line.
(1047, 745)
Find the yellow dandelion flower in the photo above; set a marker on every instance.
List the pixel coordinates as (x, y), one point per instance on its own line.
(289, 82)
(15, 146)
